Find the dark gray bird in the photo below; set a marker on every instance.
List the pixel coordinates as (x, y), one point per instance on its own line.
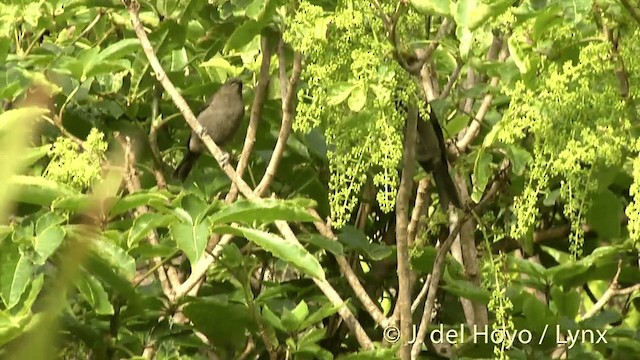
(431, 155)
(220, 119)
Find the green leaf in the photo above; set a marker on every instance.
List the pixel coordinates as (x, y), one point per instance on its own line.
(196, 206)
(48, 241)
(71, 66)
(74, 203)
(47, 220)
(325, 311)
(88, 58)
(145, 223)
(535, 312)
(310, 339)
(456, 125)
(219, 63)
(95, 294)
(148, 251)
(16, 271)
(192, 240)
(4, 231)
(135, 200)
(38, 190)
(531, 268)
(243, 35)
(567, 272)
(604, 214)
(432, 7)
(262, 211)
(518, 54)
(231, 256)
(423, 262)
(291, 320)
(545, 19)
(272, 319)
(281, 248)
(120, 49)
(519, 158)
(108, 67)
(322, 242)
(12, 326)
(472, 14)
(566, 303)
(481, 173)
(116, 256)
(339, 92)
(466, 289)
(255, 9)
(223, 324)
(357, 99)
(356, 239)
(374, 354)
(108, 274)
(34, 154)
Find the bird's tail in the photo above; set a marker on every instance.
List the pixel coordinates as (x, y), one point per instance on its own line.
(447, 190)
(185, 166)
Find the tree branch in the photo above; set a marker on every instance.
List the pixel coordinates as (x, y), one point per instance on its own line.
(256, 114)
(168, 278)
(284, 228)
(612, 290)
(348, 273)
(287, 118)
(474, 128)
(402, 209)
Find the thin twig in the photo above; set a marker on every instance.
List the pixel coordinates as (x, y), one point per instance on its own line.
(421, 195)
(474, 128)
(452, 79)
(423, 292)
(259, 99)
(287, 121)
(89, 27)
(356, 286)
(612, 290)
(133, 184)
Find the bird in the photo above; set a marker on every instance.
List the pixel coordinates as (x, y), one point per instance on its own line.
(220, 119)
(431, 155)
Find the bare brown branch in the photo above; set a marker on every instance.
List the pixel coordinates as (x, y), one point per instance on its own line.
(402, 210)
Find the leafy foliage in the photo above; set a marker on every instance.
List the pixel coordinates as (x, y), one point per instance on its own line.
(103, 255)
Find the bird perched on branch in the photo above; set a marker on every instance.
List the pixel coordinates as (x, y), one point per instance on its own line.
(220, 119)
(431, 155)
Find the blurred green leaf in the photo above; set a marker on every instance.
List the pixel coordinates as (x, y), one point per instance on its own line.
(605, 214)
(16, 271)
(38, 190)
(281, 248)
(132, 201)
(223, 324)
(144, 224)
(263, 211)
(95, 294)
(432, 7)
(291, 320)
